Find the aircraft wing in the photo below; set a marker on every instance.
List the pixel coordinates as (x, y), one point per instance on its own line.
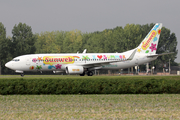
(107, 62)
(156, 55)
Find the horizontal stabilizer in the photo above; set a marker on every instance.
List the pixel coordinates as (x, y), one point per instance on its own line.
(156, 55)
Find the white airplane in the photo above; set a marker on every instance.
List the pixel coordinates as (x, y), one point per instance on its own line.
(82, 63)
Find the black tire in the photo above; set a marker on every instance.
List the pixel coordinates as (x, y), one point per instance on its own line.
(22, 74)
(82, 74)
(90, 73)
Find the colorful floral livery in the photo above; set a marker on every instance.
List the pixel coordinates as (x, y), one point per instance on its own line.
(51, 60)
(149, 39)
(86, 63)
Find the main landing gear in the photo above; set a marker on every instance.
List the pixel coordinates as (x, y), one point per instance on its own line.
(89, 73)
(82, 74)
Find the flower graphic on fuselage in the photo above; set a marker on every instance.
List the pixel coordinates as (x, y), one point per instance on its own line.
(85, 57)
(159, 31)
(39, 58)
(34, 59)
(38, 67)
(153, 47)
(31, 68)
(58, 66)
(51, 67)
(155, 39)
(138, 50)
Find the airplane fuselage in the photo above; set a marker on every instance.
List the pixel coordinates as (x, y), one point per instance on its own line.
(59, 62)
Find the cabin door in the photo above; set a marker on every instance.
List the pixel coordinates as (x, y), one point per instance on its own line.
(28, 61)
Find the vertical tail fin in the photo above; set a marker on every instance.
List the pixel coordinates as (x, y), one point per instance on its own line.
(150, 42)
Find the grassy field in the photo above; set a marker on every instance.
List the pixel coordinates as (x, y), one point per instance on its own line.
(174, 77)
(151, 106)
(165, 106)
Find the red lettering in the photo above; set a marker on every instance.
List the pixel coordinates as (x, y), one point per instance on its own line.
(149, 40)
(59, 59)
(47, 59)
(62, 59)
(51, 60)
(66, 60)
(70, 59)
(55, 59)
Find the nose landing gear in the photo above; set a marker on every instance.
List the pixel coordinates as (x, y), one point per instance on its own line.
(22, 74)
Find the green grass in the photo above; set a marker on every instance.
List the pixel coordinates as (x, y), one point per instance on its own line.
(164, 106)
(87, 77)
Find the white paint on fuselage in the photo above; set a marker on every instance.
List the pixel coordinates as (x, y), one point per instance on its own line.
(26, 61)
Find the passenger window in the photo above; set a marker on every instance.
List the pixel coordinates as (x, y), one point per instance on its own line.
(16, 60)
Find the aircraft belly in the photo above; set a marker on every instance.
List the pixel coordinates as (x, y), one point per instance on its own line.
(119, 65)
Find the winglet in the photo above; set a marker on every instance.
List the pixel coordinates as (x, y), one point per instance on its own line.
(132, 55)
(84, 50)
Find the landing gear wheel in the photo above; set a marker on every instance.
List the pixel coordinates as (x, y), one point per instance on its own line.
(82, 74)
(22, 74)
(90, 73)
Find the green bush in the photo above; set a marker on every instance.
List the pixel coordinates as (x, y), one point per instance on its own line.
(89, 86)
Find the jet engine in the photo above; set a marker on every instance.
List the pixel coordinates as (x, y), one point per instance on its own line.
(74, 70)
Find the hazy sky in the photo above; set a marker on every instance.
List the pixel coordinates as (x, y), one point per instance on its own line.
(89, 15)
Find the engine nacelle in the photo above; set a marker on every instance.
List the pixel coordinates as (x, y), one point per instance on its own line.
(74, 70)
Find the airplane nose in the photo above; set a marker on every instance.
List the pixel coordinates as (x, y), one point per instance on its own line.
(8, 65)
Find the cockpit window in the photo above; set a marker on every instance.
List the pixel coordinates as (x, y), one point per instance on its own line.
(16, 60)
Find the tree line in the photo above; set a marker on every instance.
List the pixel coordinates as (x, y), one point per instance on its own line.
(119, 39)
